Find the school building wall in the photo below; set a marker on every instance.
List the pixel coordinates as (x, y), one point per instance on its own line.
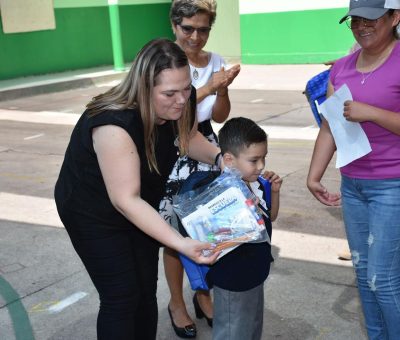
(293, 31)
(82, 37)
(250, 31)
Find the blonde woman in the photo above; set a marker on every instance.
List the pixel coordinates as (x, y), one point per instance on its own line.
(112, 179)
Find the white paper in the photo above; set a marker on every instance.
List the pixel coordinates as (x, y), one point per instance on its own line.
(350, 139)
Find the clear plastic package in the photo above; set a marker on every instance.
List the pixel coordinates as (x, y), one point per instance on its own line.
(224, 212)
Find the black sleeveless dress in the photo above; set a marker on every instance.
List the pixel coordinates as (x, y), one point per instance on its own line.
(80, 189)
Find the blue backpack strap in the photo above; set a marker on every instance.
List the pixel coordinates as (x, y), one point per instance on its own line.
(267, 190)
(315, 92)
(196, 273)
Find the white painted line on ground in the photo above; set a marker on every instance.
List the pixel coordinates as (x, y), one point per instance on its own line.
(46, 117)
(292, 245)
(254, 101)
(59, 306)
(308, 247)
(29, 209)
(43, 117)
(109, 84)
(34, 136)
(275, 77)
(284, 132)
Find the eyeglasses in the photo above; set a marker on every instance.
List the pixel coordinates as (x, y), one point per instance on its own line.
(188, 30)
(355, 22)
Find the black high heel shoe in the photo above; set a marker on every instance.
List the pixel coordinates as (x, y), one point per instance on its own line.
(199, 312)
(186, 332)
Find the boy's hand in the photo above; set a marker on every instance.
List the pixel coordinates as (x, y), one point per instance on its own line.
(274, 179)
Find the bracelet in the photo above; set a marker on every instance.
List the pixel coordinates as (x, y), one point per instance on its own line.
(218, 159)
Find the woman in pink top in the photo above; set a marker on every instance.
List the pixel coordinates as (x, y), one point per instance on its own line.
(370, 189)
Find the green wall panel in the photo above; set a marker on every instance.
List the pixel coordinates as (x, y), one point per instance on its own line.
(141, 23)
(82, 39)
(297, 37)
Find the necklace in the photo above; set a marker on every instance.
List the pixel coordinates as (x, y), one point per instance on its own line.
(365, 77)
(377, 63)
(195, 74)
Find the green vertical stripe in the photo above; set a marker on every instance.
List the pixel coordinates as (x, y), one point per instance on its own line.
(116, 38)
(19, 316)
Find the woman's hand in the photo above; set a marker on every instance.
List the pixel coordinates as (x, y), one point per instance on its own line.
(232, 73)
(222, 79)
(356, 112)
(322, 194)
(217, 81)
(195, 250)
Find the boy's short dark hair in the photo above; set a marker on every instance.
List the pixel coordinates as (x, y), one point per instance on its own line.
(238, 133)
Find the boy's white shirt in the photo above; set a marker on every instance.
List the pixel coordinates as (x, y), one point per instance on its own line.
(255, 187)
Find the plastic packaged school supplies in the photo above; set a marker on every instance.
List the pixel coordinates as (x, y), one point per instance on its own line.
(223, 212)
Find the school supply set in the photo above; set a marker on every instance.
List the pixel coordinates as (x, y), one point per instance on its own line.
(224, 212)
(220, 210)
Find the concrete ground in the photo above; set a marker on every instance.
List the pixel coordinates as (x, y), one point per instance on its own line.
(45, 293)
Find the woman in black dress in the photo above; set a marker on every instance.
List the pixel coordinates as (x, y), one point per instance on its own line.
(112, 180)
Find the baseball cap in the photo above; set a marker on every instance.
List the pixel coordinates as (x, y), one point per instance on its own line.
(368, 9)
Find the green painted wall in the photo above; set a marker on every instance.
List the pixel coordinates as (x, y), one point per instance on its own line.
(295, 37)
(81, 39)
(141, 23)
(82, 36)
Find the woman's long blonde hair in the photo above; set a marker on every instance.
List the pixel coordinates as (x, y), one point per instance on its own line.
(136, 92)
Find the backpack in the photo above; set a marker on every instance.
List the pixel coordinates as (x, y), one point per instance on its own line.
(315, 92)
(195, 272)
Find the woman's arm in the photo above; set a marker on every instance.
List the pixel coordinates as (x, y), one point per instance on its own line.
(359, 112)
(324, 149)
(222, 106)
(120, 166)
(201, 149)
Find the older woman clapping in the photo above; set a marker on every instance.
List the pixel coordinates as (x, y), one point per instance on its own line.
(192, 21)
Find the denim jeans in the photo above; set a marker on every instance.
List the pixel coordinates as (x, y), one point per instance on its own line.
(371, 212)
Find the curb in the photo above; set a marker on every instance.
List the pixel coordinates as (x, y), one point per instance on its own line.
(27, 89)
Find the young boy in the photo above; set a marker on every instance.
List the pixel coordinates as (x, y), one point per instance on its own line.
(238, 277)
